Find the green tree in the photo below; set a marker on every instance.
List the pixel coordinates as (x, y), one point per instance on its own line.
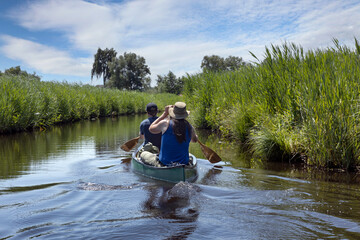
(101, 63)
(213, 63)
(13, 70)
(130, 72)
(169, 83)
(17, 71)
(233, 63)
(217, 63)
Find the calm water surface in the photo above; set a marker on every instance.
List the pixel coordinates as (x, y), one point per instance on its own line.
(74, 182)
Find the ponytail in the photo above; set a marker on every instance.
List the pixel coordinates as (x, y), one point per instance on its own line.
(179, 129)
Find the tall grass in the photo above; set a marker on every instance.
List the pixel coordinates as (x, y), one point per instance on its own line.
(293, 103)
(26, 103)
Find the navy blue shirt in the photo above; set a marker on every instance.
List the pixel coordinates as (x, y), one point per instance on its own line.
(155, 139)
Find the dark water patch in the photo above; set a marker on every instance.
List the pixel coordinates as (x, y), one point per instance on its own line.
(30, 188)
(106, 167)
(34, 227)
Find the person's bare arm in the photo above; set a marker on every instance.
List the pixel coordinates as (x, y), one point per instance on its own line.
(161, 123)
(194, 136)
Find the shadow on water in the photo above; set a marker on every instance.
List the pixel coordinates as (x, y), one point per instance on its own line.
(177, 204)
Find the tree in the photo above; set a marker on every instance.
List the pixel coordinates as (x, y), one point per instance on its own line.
(130, 72)
(169, 83)
(18, 72)
(13, 71)
(213, 63)
(101, 63)
(233, 63)
(217, 63)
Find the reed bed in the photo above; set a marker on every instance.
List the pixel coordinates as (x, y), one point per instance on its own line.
(27, 103)
(293, 104)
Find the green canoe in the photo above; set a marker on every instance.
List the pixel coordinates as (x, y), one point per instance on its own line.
(172, 174)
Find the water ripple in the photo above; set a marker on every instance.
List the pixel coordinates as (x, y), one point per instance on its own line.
(89, 186)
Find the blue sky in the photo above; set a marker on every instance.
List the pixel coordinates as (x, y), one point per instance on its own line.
(57, 39)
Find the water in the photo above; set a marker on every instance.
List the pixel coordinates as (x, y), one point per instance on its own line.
(74, 182)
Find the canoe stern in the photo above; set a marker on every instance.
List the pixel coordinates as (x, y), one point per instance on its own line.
(170, 174)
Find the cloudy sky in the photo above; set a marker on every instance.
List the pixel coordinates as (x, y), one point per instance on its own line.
(57, 39)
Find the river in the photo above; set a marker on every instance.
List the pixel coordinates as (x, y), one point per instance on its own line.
(74, 182)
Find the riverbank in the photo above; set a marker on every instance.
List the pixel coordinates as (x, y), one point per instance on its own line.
(292, 105)
(27, 103)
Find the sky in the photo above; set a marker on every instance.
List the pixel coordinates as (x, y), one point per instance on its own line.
(57, 39)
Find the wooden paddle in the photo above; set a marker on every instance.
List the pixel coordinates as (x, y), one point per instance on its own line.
(209, 153)
(130, 144)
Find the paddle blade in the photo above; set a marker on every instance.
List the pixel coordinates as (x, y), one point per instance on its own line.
(209, 153)
(130, 144)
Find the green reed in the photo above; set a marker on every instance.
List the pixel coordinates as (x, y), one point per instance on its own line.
(27, 103)
(293, 103)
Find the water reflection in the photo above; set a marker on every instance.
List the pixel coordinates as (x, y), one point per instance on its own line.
(176, 203)
(20, 151)
(126, 164)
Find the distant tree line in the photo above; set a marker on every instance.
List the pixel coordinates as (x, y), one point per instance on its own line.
(16, 71)
(130, 72)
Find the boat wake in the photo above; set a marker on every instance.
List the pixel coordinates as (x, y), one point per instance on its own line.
(103, 187)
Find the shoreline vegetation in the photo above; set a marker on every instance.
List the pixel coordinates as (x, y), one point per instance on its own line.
(27, 103)
(292, 106)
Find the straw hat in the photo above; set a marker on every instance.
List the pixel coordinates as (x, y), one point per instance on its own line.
(178, 111)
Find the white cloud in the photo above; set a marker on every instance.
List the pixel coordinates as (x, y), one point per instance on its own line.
(317, 28)
(89, 25)
(181, 57)
(86, 25)
(43, 58)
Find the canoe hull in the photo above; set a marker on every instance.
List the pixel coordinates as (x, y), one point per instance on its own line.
(169, 174)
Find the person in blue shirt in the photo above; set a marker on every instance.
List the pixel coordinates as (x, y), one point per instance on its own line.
(176, 132)
(145, 134)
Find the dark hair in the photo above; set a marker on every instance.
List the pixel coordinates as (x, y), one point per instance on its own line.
(179, 129)
(152, 109)
(153, 113)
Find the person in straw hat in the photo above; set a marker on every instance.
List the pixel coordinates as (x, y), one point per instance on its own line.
(176, 132)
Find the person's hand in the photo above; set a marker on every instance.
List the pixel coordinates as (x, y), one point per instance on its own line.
(166, 111)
